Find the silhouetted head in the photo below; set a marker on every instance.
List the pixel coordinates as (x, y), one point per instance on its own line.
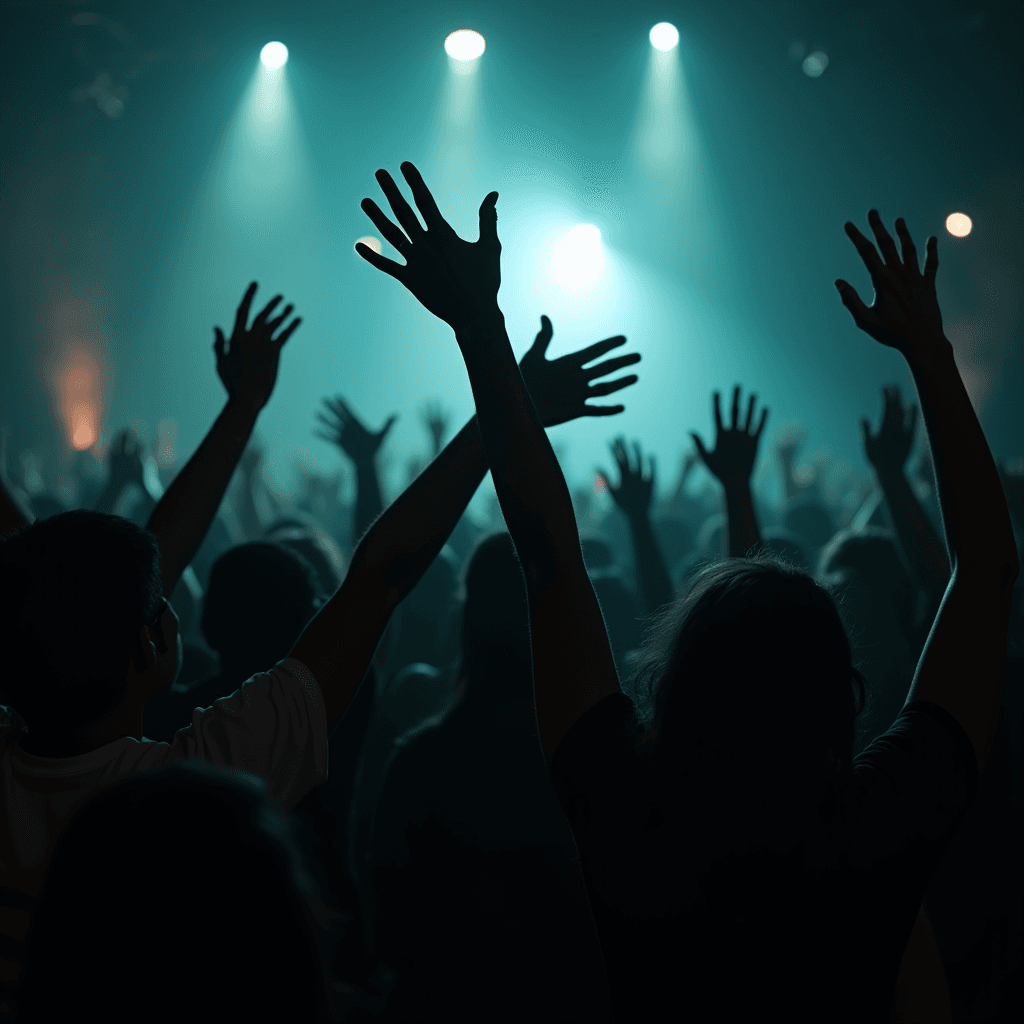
(423, 616)
(495, 615)
(876, 586)
(749, 675)
(317, 547)
(150, 854)
(786, 545)
(46, 505)
(77, 589)
(259, 598)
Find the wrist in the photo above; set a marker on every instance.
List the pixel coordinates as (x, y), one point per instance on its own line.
(244, 406)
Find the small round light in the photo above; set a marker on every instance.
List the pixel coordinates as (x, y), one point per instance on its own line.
(464, 44)
(370, 242)
(664, 36)
(274, 55)
(815, 63)
(959, 224)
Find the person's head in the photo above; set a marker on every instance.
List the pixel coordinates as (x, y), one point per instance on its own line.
(495, 615)
(166, 878)
(786, 545)
(750, 674)
(422, 618)
(259, 599)
(83, 621)
(306, 536)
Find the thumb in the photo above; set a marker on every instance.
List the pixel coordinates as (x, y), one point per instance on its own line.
(701, 450)
(489, 218)
(866, 427)
(218, 342)
(851, 300)
(387, 426)
(544, 335)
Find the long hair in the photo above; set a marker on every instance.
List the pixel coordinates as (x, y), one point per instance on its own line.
(749, 671)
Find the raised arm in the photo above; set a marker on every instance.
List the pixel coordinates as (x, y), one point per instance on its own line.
(458, 282)
(340, 426)
(732, 462)
(338, 645)
(887, 451)
(961, 667)
(633, 495)
(247, 366)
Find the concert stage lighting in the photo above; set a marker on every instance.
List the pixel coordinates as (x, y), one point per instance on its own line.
(580, 257)
(959, 224)
(664, 36)
(464, 45)
(274, 55)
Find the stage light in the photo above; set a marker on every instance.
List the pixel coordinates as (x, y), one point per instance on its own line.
(664, 36)
(959, 224)
(464, 45)
(274, 55)
(580, 257)
(370, 242)
(814, 64)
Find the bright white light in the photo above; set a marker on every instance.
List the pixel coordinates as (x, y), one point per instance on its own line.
(814, 64)
(959, 224)
(274, 55)
(579, 258)
(464, 44)
(370, 242)
(664, 36)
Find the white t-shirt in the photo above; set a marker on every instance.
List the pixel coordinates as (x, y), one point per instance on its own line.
(274, 725)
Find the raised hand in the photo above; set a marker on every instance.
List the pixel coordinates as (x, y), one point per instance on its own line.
(889, 448)
(635, 489)
(343, 429)
(247, 364)
(905, 314)
(125, 460)
(560, 387)
(456, 280)
(436, 421)
(735, 446)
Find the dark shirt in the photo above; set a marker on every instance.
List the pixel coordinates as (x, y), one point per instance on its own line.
(814, 930)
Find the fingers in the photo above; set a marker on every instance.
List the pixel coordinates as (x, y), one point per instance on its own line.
(489, 218)
(885, 242)
(288, 331)
(592, 352)
(618, 447)
(638, 469)
(242, 314)
(402, 210)
(611, 386)
(339, 408)
(852, 301)
(760, 426)
(931, 261)
(603, 410)
(218, 342)
(750, 414)
(544, 335)
(867, 251)
(390, 231)
(389, 423)
(277, 321)
(611, 366)
(424, 200)
(907, 244)
(389, 267)
(866, 427)
(266, 311)
(717, 405)
(735, 406)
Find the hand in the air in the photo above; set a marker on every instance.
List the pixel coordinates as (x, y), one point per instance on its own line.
(343, 429)
(889, 449)
(247, 364)
(735, 446)
(905, 314)
(125, 459)
(456, 280)
(635, 490)
(435, 419)
(560, 387)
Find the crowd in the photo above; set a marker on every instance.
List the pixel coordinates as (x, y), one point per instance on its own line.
(702, 754)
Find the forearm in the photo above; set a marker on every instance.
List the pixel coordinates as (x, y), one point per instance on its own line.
(925, 552)
(652, 574)
(183, 515)
(744, 532)
(975, 518)
(369, 503)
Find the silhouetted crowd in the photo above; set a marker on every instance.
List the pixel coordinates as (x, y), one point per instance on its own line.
(698, 756)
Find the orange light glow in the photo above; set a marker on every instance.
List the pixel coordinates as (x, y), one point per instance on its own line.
(600, 484)
(79, 382)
